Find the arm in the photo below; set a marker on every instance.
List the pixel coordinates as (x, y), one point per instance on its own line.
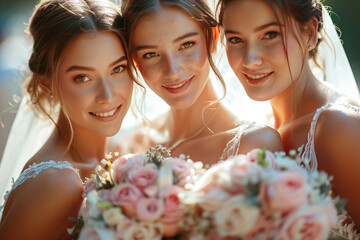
(40, 207)
(337, 147)
(261, 137)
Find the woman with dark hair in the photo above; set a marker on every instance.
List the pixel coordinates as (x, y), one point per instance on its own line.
(81, 78)
(269, 47)
(172, 43)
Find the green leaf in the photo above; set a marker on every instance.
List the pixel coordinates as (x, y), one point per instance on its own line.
(79, 223)
(325, 188)
(340, 204)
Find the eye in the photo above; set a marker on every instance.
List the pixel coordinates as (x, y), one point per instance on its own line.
(187, 45)
(271, 35)
(118, 69)
(81, 78)
(149, 55)
(235, 40)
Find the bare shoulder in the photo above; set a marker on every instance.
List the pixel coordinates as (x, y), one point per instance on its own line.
(337, 138)
(338, 123)
(261, 136)
(40, 207)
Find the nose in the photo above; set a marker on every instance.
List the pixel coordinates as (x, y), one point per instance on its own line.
(173, 67)
(252, 56)
(105, 92)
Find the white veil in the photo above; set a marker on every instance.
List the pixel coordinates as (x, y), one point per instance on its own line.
(28, 133)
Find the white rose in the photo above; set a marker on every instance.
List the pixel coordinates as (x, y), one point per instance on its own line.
(236, 217)
(112, 216)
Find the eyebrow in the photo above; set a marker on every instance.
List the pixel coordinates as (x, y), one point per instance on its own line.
(175, 40)
(185, 36)
(259, 28)
(77, 67)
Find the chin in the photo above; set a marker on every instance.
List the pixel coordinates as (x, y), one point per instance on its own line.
(256, 96)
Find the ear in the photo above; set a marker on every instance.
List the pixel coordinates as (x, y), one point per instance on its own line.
(45, 85)
(311, 30)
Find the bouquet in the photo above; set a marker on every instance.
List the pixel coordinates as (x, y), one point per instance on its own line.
(260, 195)
(263, 195)
(139, 196)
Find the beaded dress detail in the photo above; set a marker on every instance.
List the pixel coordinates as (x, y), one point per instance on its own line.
(32, 171)
(345, 226)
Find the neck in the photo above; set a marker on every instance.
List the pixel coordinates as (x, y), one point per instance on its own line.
(185, 123)
(86, 147)
(302, 97)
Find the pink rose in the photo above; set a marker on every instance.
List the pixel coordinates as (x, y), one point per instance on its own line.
(269, 157)
(287, 191)
(127, 196)
(306, 223)
(121, 166)
(241, 172)
(180, 168)
(144, 176)
(173, 211)
(149, 209)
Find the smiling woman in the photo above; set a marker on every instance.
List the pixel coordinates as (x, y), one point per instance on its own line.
(172, 43)
(82, 79)
(270, 47)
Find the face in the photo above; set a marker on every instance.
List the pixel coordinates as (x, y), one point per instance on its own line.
(95, 83)
(171, 54)
(255, 49)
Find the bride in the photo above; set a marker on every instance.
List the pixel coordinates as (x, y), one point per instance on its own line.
(82, 80)
(269, 55)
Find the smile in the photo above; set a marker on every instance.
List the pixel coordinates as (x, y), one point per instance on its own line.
(256, 76)
(257, 79)
(178, 87)
(106, 113)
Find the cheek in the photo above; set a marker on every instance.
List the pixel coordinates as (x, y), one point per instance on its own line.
(233, 57)
(198, 59)
(125, 87)
(150, 72)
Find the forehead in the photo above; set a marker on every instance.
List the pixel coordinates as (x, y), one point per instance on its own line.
(88, 48)
(247, 13)
(165, 22)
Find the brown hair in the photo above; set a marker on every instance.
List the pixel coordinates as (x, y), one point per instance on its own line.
(301, 10)
(53, 26)
(133, 10)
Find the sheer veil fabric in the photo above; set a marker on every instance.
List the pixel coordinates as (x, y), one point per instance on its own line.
(28, 133)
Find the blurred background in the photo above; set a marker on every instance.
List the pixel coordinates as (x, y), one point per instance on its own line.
(15, 49)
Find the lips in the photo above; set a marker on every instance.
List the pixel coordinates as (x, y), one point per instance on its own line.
(106, 115)
(178, 87)
(257, 78)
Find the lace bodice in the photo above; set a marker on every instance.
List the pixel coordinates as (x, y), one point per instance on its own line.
(34, 170)
(345, 227)
(233, 146)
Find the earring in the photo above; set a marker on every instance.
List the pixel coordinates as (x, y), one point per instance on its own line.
(310, 48)
(51, 96)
